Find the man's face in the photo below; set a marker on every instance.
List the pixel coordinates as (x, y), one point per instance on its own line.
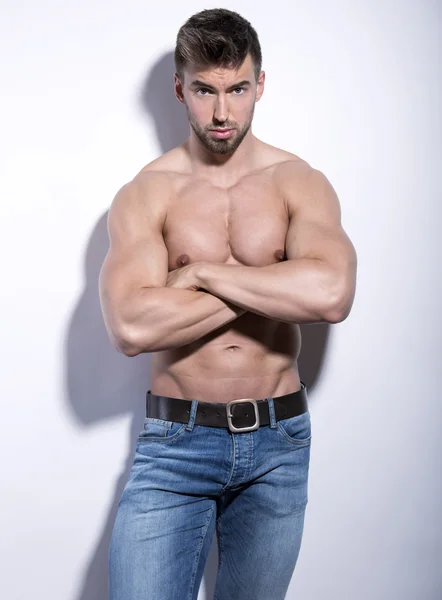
(220, 99)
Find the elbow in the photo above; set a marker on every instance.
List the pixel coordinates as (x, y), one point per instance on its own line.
(340, 298)
(128, 350)
(339, 309)
(127, 342)
(337, 316)
(131, 343)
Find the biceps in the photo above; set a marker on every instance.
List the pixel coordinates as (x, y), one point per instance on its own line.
(123, 275)
(321, 242)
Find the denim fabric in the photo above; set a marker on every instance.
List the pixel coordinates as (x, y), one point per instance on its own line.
(188, 481)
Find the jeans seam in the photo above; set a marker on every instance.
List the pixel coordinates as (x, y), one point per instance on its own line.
(198, 554)
(220, 558)
(225, 486)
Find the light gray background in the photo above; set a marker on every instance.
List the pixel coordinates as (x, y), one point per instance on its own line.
(86, 100)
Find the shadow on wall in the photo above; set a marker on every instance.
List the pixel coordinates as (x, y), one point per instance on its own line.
(103, 383)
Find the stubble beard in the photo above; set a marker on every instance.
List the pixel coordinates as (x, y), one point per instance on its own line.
(227, 146)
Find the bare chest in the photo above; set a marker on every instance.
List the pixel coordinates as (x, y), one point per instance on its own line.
(246, 224)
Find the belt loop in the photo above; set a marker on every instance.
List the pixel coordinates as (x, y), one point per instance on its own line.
(192, 416)
(147, 402)
(271, 412)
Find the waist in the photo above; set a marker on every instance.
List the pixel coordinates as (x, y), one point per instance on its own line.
(239, 415)
(229, 366)
(208, 387)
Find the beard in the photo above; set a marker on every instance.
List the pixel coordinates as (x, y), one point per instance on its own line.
(227, 146)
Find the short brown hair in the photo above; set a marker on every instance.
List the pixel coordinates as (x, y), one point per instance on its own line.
(216, 37)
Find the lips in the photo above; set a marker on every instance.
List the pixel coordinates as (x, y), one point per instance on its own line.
(222, 133)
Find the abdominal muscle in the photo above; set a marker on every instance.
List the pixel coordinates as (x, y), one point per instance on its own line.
(253, 357)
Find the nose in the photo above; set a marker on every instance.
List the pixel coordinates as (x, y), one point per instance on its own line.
(221, 111)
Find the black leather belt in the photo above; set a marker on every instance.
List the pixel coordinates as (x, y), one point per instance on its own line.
(244, 414)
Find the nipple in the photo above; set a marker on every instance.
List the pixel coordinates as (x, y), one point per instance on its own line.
(182, 260)
(279, 254)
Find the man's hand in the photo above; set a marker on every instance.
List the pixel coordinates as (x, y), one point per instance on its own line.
(185, 278)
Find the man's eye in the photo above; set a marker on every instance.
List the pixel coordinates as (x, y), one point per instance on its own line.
(238, 89)
(202, 90)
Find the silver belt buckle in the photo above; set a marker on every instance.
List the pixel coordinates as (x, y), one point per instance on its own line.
(234, 429)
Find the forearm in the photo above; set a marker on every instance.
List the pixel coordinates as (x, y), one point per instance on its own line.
(293, 291)
(163, 318)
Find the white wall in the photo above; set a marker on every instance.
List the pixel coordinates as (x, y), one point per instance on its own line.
(86, 100)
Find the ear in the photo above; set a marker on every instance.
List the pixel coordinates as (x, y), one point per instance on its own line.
(260, 86)
(178, 86)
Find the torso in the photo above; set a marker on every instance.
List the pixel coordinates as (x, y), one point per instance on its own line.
(252, 356)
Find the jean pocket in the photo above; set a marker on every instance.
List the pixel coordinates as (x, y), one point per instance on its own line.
(160, 430)
(296, 430)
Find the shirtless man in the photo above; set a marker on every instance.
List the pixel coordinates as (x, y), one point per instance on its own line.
(219, 249)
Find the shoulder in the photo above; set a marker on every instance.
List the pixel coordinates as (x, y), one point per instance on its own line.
(146, 188)
(170, 165)
(300, 184)
(298, 171)
(154, 184)
(289, 169)
(272, 156)
(146, 196)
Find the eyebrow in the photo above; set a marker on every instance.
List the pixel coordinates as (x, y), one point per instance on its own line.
(199, 83)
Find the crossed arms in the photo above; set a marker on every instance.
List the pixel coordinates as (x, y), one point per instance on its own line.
(315, 284)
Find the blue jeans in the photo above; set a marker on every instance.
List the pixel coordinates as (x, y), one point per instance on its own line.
(188, 480)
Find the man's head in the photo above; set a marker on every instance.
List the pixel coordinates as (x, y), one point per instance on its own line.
(218, 76)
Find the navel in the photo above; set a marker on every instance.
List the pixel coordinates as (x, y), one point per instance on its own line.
(182, 260)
